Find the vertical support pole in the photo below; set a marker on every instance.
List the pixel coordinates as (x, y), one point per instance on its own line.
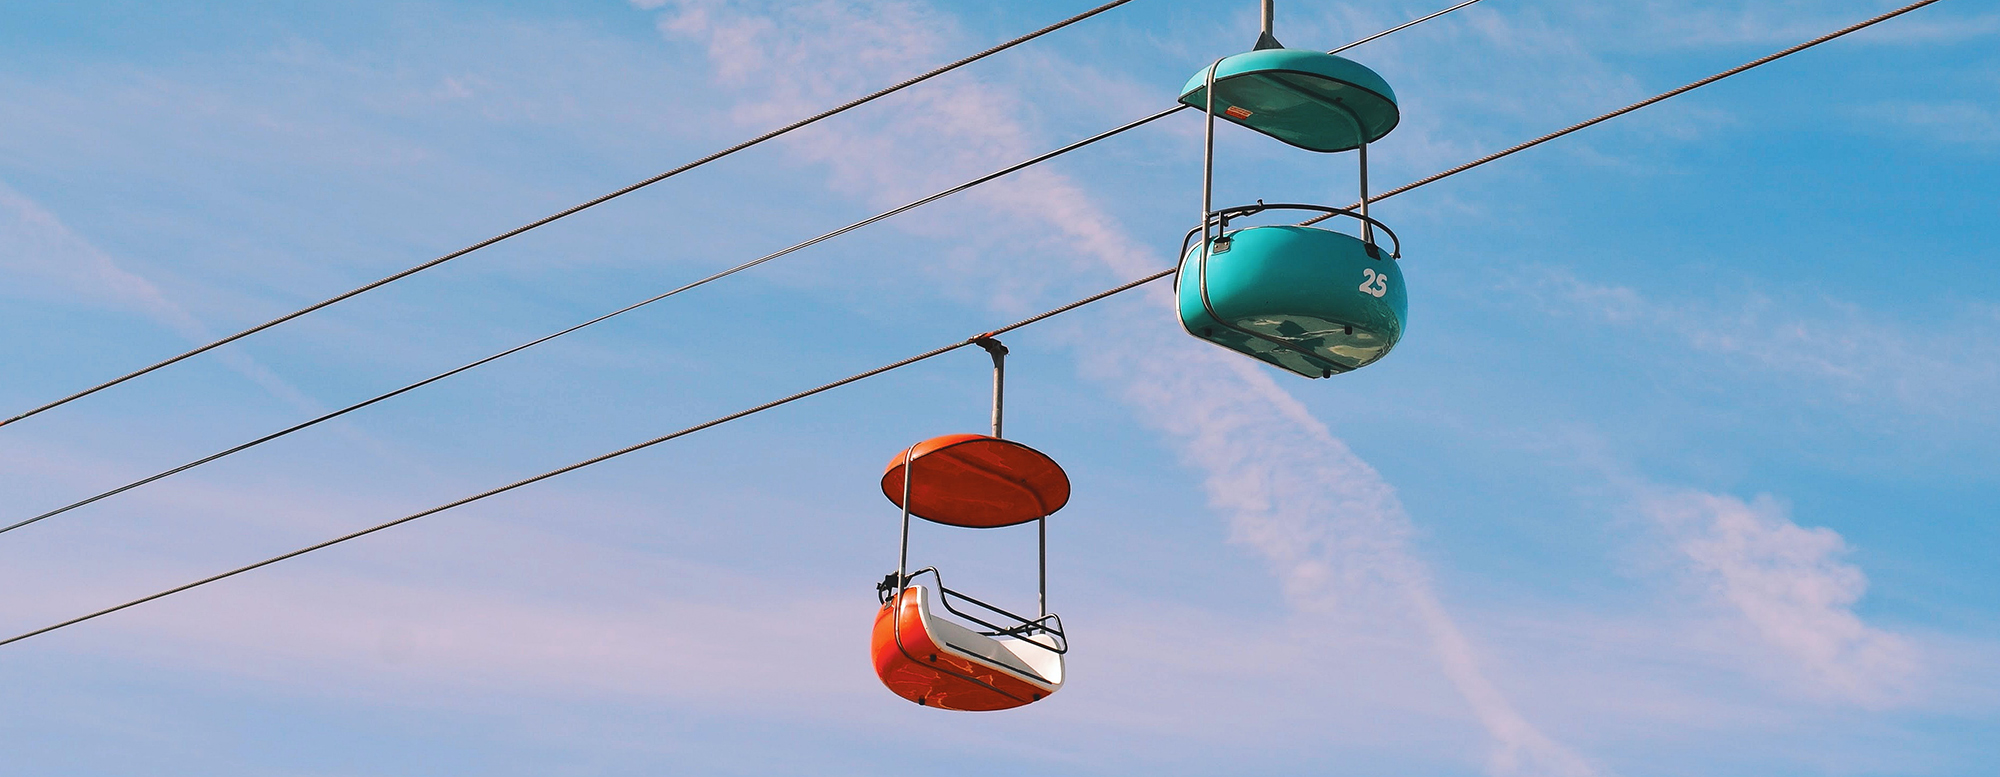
(903, 555)
(999, 354)
(1207, 170)
(1207, 197)
(1367, 227)
(903, 563)
(1042, 564)
(999, 389)
(1208, 158)
(1266, 40)
(1361, 133)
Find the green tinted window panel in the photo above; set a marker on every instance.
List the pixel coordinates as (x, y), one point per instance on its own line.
(1301, 97)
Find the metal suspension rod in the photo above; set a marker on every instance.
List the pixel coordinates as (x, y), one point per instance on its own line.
(1208, 154)
(1361, 134)
(999, 354)
(1042, 564)
(1367, 227)
(903, 555)
(1265, 40)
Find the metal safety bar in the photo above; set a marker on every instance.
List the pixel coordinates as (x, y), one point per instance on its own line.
(999, 354)
(1221, 219)
(1024, 628)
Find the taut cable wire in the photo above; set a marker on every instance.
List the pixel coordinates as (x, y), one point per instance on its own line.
(600, 319)
(621, 451)
(862, 375)
(1634, 106)
(842, 108)
(596, 459)
(635, 306)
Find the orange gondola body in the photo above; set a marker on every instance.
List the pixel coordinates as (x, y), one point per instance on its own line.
(937, 663)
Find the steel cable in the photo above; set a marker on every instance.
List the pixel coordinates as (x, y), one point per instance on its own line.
(642, 303)
(878, 370)
(600, 319)
(597, 459)
(575, 209)
(1633, 107)
(629, 449)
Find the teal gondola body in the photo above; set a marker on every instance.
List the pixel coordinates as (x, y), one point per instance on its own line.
(1310, 99)
(1310, 300)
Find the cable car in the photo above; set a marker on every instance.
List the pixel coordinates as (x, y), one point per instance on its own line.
(1310, 300)
(939, 647)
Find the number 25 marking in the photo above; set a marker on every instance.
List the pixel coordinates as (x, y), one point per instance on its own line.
(1374, 284)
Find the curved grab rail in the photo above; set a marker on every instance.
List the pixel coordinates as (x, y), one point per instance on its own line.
(1024, 629)
(1222, 217)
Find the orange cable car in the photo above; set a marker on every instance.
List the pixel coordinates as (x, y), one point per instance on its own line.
(988, 658)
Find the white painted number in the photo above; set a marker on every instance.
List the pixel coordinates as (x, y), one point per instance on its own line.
(1374, 284)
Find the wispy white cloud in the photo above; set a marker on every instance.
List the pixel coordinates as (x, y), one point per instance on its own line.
(1333, 532)
(452, 617)
(46, 258)
(1831, 347)
(1792, 585)
(1331, 528)
(1460, 80)
(1791, 21)
(425, 620)
(1958, 122)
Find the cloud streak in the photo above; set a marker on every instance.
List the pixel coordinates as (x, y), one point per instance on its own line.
(1329, 525)
(47, 257)
(1842, 348)
(1791, 585)
(1373, 653)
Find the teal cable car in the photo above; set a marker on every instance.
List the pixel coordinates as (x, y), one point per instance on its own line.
(1311, 300)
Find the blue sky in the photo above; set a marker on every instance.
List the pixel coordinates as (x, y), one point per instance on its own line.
(1686, 465)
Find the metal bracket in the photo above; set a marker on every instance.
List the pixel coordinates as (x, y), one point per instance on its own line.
(999, 354)
(1265, 40)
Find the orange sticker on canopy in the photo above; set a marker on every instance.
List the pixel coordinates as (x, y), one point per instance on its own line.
(1238, 112)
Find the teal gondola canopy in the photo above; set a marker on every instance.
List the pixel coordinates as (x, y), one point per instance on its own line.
(1313, 301)
(1310, 99)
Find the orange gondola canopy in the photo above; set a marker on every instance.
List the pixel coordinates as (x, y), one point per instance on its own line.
(977, 481)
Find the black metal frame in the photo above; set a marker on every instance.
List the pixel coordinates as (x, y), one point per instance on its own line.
(1221, 219)
(1025, 628)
